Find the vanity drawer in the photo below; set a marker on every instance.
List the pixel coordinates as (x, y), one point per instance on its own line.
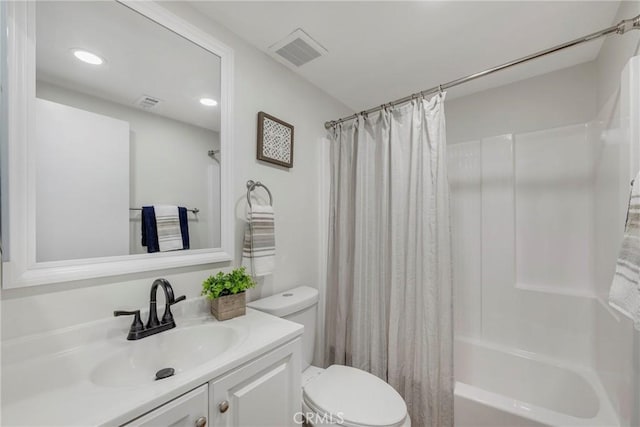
(188, 410)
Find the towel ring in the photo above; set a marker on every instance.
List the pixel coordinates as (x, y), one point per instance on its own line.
(251, 185)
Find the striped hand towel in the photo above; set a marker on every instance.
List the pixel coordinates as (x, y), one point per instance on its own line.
(168, 226)
(259, 249)
(625, 290)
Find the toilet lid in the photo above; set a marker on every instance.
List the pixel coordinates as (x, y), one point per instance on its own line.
(360, 398)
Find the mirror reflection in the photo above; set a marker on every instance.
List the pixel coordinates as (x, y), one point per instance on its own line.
(127, 135)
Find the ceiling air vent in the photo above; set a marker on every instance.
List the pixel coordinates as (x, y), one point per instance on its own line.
(147, 102)
(297, 49)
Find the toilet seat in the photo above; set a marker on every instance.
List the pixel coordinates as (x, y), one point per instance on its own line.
(355, 397)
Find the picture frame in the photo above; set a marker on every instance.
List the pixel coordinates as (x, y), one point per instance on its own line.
(275, 140)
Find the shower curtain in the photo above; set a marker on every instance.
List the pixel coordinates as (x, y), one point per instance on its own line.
(389, 286)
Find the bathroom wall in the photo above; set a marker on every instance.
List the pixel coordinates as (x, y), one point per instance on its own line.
(523, 213)
(616, 344)
(161, 150)
(261, 84)
(92, 147)
(4, 185)
(618, 142)
(544, 102)
(615, 53)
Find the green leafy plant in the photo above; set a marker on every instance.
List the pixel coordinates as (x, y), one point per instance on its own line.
(227, 284)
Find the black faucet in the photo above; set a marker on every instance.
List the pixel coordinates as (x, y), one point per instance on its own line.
(138, 330)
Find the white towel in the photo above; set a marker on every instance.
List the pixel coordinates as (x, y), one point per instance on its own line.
(168, 226)
(259, 249)
(625, 290)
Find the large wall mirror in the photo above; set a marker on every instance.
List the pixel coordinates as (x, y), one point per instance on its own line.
(125, 110)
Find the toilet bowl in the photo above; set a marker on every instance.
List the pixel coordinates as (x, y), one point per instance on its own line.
(351, 397)
(338, 395)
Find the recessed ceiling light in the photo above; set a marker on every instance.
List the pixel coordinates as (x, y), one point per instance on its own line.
(208, 102)
(88, 57)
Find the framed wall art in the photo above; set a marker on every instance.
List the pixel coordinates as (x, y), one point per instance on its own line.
(275, 140)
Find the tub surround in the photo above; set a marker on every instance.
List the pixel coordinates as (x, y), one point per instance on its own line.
(50, 379)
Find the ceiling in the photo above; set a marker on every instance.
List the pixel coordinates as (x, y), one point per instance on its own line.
(141, 58)
(381, 51)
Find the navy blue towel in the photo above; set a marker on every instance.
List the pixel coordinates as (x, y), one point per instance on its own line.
(184, 227)
(150, 230)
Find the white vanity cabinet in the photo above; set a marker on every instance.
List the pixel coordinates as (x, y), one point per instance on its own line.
(265, 392)
(188, 410)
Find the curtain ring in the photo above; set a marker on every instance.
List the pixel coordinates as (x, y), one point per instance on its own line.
(440, 89)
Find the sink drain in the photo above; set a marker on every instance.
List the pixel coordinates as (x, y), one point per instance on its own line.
(165, 373)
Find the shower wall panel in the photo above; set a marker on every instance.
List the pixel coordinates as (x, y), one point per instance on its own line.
(465, 176)
(530, 208)
(554, 210)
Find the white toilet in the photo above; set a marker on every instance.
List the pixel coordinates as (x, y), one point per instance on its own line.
(338, 395)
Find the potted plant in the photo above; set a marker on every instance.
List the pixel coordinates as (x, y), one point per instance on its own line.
(226, 293)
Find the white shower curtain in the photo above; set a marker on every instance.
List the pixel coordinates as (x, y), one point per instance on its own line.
(389, 288)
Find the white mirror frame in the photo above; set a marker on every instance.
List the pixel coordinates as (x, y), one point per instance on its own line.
(21, 268)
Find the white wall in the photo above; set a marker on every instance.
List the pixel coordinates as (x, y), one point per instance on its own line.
(169, 165)
(261, 84)
(552, 100)
(616, 344)
(614, 54)
(615, 338)
(82, 183)
(4, 185)
(521, 195)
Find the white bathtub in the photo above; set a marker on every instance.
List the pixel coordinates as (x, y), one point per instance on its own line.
(497, 386)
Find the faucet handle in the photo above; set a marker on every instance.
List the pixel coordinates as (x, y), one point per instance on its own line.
(117, 313)
(137, 322)
(177, 300)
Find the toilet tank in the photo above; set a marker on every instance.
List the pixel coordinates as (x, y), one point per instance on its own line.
(298, 305)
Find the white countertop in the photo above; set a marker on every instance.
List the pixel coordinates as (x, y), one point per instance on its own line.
(46, 379)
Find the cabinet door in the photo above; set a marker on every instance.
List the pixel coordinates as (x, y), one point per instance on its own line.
(188, 410)
(265, 392)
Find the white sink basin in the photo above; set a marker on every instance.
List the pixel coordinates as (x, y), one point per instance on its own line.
(181, 349)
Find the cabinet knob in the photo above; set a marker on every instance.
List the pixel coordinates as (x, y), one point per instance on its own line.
(201, 422)
(223, 406)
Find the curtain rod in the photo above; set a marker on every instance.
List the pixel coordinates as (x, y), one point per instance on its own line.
(621, 28)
